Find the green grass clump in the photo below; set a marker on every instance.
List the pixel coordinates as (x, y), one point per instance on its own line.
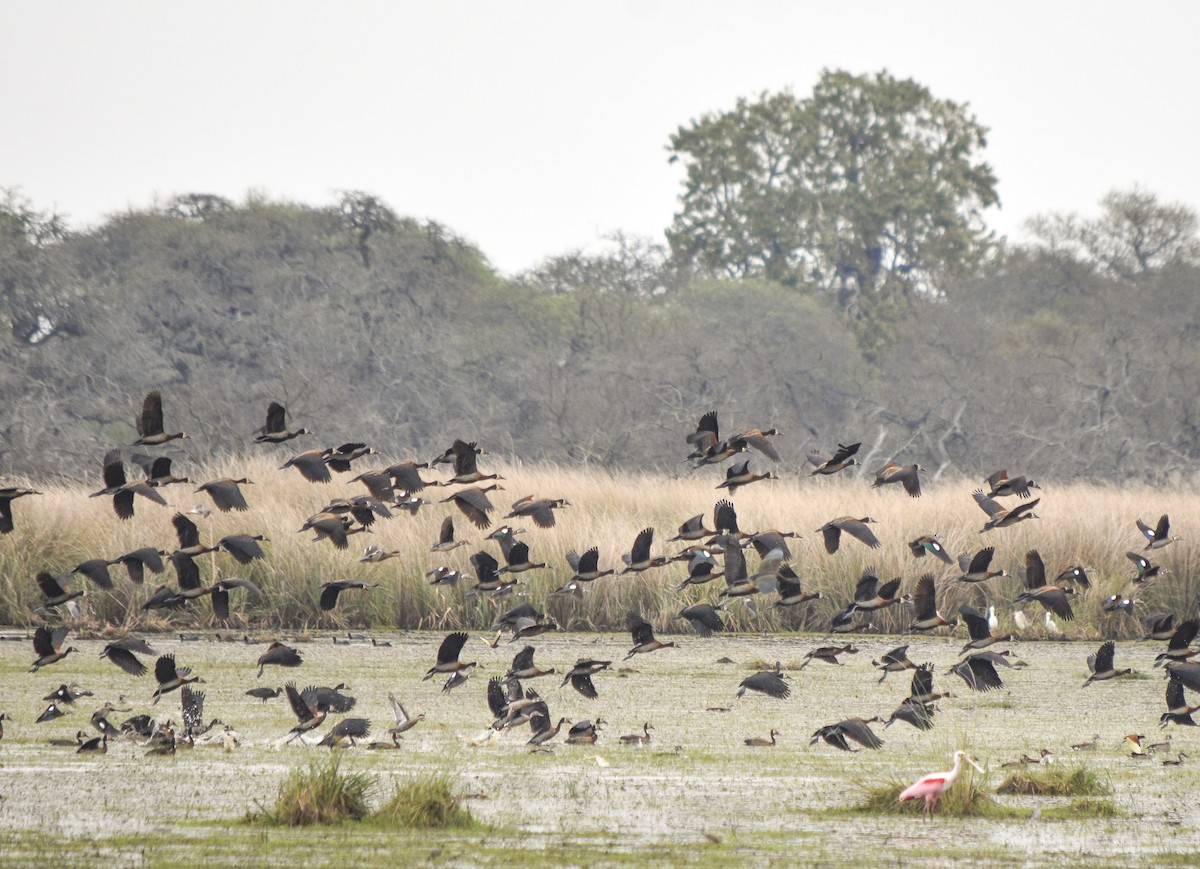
(966, 799)
(1082, 809)
(427, 802)
(320, 794)
(1056, 781)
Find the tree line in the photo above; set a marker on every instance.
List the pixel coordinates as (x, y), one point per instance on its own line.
(829, 273)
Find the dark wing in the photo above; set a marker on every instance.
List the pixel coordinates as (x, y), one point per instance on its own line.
(860, 732)
(735, 561)
(589, 561)
(451, 646)
(1175, 698)
(192, 703)
(641, 546)
(186, 571)
(862, 532)
(164, 669)
(151, 420)
(867, 586)
(276, 418)
(922, 681)
(1163, 528)
(925, 597)
(833, 537)
(640, 629)
(43, 645)
(843, 452)
(186, 531)
(979, 564)
(518, 554)
(771, 684)
(1035, 569)
(977, 623)
(299, 707)
(523, 660)
(242, 547)
(114, 470)
(725, 518)
(986, 504)
(1184, 635)
(329, 595)
(475, 504)
(446, 535)
(49, 585)
(496, 699)
(124, 659)
(583, 684)
(1105, 657)
(485, 566)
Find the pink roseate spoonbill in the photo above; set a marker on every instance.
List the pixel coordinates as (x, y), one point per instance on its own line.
(932, 786)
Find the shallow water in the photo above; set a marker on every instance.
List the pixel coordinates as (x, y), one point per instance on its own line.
(760, 803)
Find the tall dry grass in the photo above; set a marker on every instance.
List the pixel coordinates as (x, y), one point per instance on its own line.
(1079, 524)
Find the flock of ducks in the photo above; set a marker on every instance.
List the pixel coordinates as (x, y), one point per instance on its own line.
(709, 554)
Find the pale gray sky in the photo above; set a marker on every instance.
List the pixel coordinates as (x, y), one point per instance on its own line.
(533, 128)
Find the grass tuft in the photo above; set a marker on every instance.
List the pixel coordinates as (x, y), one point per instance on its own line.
(1075, 780)
(427, 802)
(320, 794)
(966, 799)
(1081, 810)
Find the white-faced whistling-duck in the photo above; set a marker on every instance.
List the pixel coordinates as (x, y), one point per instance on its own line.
(725, 520)
(474, 503)
(856, 528)
(349, 729)
(638, 559)
(765, 542)
(226, 493)
(704, 618)
(928, 543)
(275, 430)
(53, 592)
(47, 644)
(703, 568)
(828, 654)
(523, 628)
(150, 423)
(447, 656)
(518, 560)
(692, 529)
(311, 465)
(330, 591)
(740, 475)
(769, 682)
(839, 461)
(121, 653)
(925, 602)
(1146, 570)
(921, 688)
(95, 569)
(974, 568)
(7, 496)
(540, 510)
(643, 637)
(1051, 597)
(1001, 485)
(1159, 626)
(139, 561)
(406, 476)
(895, 661)
(705, 437)
(404, 721)
(332, 527)
(1179, 711)
(913, 712)
(979, 672)
(243, 547)
(580, 676)
(906, 475)
(1158, 536)
(872, 593)
(858, 729)
(158, 470)
(466, 469)
(759, 742)
(791, 592)
(977, 627)
(446, 541)
(931, 787)
(339, 459)
(584, 732)
(737, 582)
(638, 739)
(379, 484)
(169, 678)
(998, 517)
(843, 622)
(758, 439)
(1179, 644)
(122, 490)
(189, 537)
(374, 554)
(524, 668)
(309, 718)
(279, 655)
(586, 567)
(1101, 664)
(542, 731)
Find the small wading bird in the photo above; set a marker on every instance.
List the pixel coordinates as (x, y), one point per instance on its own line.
(931, 787)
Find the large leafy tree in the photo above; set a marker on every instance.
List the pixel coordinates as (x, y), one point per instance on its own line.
(871, 188)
